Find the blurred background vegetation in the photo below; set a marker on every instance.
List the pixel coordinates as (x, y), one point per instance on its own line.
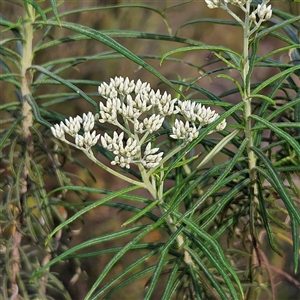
(106, 219)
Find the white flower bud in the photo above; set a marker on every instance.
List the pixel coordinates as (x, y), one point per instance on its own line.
(253, 16)
(79, 141)
(58, 132)
(90, 139)
(186, 132)
(72, 126)
(213, 3)
(268, 13)
(88, 122)
(264, 12)
(221, 126)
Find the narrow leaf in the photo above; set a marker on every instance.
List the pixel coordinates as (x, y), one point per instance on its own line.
(54, 10)
(88, 208)
(283, 134)
(209, 48)
(108, 41)
(271, 175)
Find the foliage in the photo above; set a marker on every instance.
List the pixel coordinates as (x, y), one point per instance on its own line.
(224, 203)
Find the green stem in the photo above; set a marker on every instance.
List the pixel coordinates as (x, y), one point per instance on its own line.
(90, 154)
(253, 189)
(26, 63)
(157, 194)
(27, 150)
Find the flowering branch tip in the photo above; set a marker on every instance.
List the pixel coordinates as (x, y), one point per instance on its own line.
(138, 111)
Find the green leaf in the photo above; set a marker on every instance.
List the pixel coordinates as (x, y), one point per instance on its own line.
(270, 100)
(113, 261)
(89, 207)
(104, 238)
(66, 83)
(276, 51)
(36, 111)
(5, 136)
(38, 9)
(282, 108)
(217, 148)
(122, 34)
(276, 28)
(272, 79)
(216, 49)
(164, 251)
(290, 140)
(264, 215)
(217, 259)
(169, 286)
(54, 10)
(274, 179)
(209, 20)
(295, 235)
(271, 175)
(219, 182)
(107, 7)
(136, 264)
(106, 40)
(232, 80)
(211, 277)
(141, 213)
(217, 208)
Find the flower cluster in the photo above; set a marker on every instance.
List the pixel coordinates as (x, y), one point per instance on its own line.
(263, 12)
(73, 127)
(138, 111)
(218, 3)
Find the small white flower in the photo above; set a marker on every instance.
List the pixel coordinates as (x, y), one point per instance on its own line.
(124, 156)
(142, 87)
(109, 112)
(253, 16)
(122, 162)
(153, 123)
(186, 132)
(207, 116)
(213, 3)
(264, 12)
(72, 126)
(79, 141)
(88, 121)
(154, 97)
(58, 132)
(221, 126)
(268, 13)
(151, 158)
(148, 149)
(138, 126)
(141, 103)
(90, 139)
(107, 91)
(187, 109)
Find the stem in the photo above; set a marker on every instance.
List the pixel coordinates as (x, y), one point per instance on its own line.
(90, 154)
(253, 189)
(26, 61)
(157, 194)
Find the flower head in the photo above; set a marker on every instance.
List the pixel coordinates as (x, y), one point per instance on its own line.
(213, 3)
(264, 12)
(137, 111)
(72, 126)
